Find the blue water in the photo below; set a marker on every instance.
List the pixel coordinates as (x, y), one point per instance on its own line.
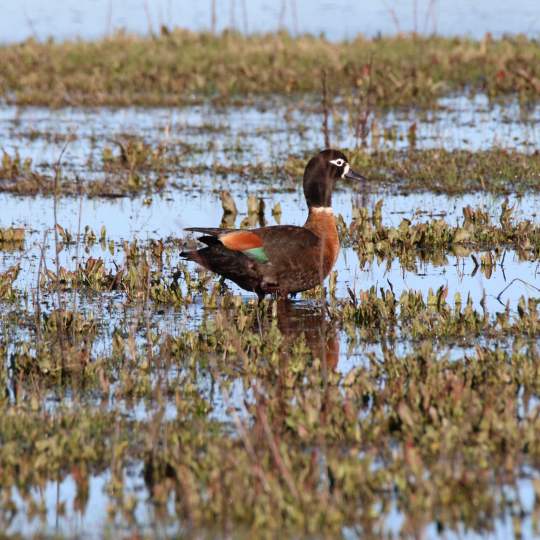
(336, 19)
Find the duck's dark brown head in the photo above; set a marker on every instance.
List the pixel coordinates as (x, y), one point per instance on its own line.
(322, 172)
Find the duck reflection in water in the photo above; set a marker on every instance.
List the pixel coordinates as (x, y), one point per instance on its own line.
(320, 333)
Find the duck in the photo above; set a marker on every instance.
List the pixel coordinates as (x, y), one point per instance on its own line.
(282, 260)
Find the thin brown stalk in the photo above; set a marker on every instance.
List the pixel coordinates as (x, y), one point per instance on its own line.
(393, 16)
(37, 307)
(74, 299)
(294, 13)
(325, 109)
(364, 109)
(244, 16)
(148, 18)
(244, 436)
(276, 454)
(108, 26)
(232, 15)
(282, 11)
(213, 18)
(57, 177)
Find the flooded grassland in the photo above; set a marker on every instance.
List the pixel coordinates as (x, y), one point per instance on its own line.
(144, 397)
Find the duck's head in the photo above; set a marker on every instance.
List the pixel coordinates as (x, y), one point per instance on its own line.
(322, 172)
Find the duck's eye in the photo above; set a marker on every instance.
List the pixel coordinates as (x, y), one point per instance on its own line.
(338, 162)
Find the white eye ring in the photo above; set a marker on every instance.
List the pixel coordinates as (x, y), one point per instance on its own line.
(338, 162)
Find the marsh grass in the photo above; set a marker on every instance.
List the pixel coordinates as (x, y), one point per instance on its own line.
(180, 67)
(137, 167)
(418, 432)
(127, 364)
(439, 170)
(434, 239)
(454, 171)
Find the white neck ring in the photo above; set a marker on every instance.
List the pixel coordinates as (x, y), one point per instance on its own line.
(321, 210)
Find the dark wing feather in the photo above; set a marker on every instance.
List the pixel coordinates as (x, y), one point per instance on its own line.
(233, 265)
(211, 231)
(209, 240)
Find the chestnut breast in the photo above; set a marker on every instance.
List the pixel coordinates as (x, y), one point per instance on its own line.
(321, 221)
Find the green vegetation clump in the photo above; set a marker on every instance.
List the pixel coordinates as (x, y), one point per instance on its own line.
(434, 238)
(180, 67)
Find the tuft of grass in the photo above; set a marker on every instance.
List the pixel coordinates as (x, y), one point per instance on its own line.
(11, 235)
(434, 238)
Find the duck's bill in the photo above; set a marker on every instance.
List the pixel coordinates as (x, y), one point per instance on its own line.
(353, 175)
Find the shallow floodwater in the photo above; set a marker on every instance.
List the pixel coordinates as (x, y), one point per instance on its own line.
(265, 134)
(267, 131)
